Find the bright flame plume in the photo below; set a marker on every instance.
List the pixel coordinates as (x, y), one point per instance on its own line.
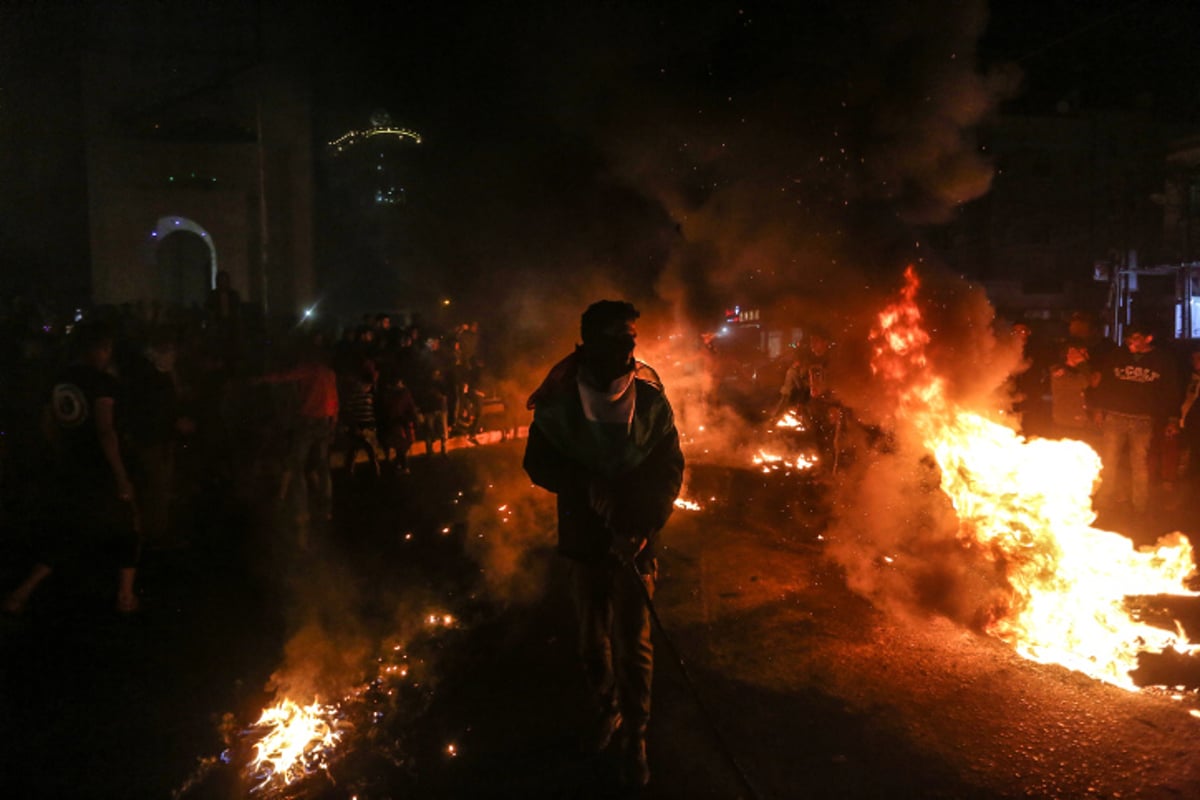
(297, 742)
(1027, 504)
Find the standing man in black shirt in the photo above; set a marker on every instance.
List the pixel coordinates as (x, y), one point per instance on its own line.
(1138, 389)
(94, 502)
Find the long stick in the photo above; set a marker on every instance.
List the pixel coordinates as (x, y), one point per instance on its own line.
(722, 745)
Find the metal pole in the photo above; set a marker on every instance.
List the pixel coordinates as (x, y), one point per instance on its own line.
(263, 228)
(263, 236)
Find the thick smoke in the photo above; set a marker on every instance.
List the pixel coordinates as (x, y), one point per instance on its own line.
(778, 162)
(331, 646)
(794, 188)
(894, 531)
(509, 534)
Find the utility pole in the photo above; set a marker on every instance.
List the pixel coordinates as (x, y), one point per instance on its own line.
(264, 239)
(263, 229)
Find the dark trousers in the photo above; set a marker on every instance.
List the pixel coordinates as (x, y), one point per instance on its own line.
(309, 450)
(614, 637)
(155, 482)
(1121, 434)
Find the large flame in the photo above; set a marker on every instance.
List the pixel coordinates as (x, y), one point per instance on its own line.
(1027, 505)
(296, 742)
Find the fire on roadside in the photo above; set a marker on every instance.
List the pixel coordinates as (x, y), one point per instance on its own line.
(292, 742)
(296, 741)
(770, 462)
(1026, 504)
(790, 421)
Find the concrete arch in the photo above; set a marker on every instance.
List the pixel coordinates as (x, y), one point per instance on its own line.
(173, 224)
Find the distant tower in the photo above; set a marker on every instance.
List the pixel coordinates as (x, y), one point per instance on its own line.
(369, 175)
(375, 156)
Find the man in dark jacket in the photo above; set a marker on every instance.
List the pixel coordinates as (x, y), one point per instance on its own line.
(603, 439)
(1138, 389)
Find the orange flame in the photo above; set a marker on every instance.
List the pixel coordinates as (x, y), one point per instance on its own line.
(1027, 504)
(790, 421)
(297, 741)
(773, 462)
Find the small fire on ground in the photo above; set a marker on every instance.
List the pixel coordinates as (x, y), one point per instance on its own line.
(773, 462)
(297, 741)
(1026, 504)
(292, 741)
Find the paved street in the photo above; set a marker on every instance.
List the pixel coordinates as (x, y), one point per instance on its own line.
(815, 692)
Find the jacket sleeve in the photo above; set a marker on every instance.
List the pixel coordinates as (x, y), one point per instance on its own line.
(647, 494)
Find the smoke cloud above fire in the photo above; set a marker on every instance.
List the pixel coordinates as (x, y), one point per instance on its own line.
(783, 160)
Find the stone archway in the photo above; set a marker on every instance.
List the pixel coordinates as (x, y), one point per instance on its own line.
(185, 258)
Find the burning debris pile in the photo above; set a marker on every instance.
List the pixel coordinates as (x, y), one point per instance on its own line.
(299, 749)
(1024, 506)
(293, 742)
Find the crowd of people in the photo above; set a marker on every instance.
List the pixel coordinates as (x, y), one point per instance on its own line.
(1135, 403)
(155, 406)
(115, 420)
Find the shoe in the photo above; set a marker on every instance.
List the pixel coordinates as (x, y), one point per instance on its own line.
(602, 732)
(635, 769)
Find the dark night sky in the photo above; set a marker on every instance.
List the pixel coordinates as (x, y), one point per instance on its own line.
(684, 151)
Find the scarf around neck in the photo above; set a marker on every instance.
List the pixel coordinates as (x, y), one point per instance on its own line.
(609, 430)
(613, 405)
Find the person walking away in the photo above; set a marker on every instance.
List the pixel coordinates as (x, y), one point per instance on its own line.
(603, 439)
(1137, 389)
(94, 498)
(316, 387)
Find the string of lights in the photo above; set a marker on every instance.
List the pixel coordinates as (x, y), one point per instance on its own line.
(351, 138)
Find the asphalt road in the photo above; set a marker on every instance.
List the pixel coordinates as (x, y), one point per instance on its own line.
(812, 690)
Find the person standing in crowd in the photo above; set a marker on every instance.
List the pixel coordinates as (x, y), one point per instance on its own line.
(398, 417)
(1084, 329)
(359, 419)
(1137, 389)
(93, 504)
(1071, 383)
(316, 385)
(432, 401)
(1189, 418)
(603, 439)
(155, 420)
(1030, 381)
